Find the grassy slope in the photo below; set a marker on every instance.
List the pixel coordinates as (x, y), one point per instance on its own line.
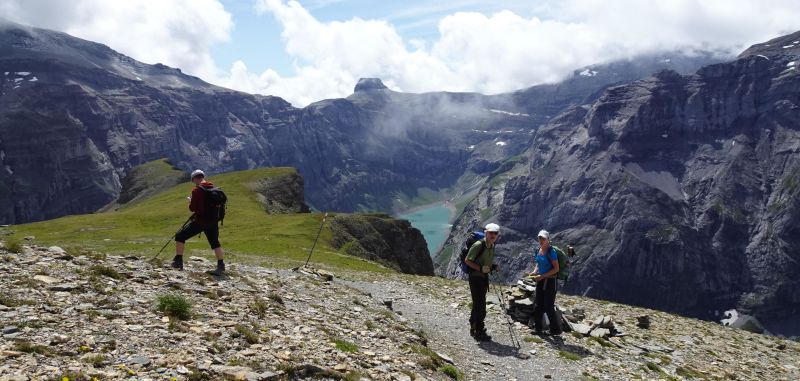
(249, 234)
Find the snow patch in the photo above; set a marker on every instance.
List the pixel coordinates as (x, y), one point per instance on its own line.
(24, 73)
(138, 79)
(507, 112)
(588, 73)
(16, 87)
(34, 79)
(500, 143)
(791, 64)
(666, 60)
(796, 42)
(8, 169)
(788, 46)
(17, 79)
(471, 147)
(664, 136)
(763, 56)
(6, 73)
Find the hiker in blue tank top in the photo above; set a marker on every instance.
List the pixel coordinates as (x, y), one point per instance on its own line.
(544, 274)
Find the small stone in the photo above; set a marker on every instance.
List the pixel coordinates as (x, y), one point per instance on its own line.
(10, 329)
(547, 376)
(524, 302)
(45, 279)
(29, 238)
(11, 353)
(63, 287)
(388, 303)
(59, 339)
(600, 332)
(182, 369)
(56, 250)
(139, 360)
(14, 377)
(583, 329)
(445, 358)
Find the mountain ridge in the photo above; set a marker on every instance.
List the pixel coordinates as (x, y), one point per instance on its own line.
(356, 153)
(685, 197)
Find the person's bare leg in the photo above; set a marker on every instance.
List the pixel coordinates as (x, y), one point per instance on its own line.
(177, 262)
(219, 254)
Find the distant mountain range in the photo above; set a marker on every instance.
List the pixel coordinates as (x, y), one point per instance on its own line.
(680, 191)
(76, 116)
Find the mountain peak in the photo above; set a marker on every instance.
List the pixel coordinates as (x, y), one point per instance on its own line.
(785, 46)
(365, 84)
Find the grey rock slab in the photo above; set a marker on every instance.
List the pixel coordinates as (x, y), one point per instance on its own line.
(63, 287)
(140, 360)
(45, 279)
(583, 329)
(600, 332)
(10, 329)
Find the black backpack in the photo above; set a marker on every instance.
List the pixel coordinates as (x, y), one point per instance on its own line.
(215, 204)
(471, 239)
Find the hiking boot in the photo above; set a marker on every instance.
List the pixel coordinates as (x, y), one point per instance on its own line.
(482, 336)
(219, 271)
(177, 262)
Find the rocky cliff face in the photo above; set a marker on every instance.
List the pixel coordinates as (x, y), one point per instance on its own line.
(75, 117)
(281, 194)
(679, 191)
(382, 239)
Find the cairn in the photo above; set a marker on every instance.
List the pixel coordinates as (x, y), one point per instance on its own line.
(520, 307)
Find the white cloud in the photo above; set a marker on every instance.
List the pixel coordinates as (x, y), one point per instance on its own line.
(485, 52)
(502, 51)
(177, 33)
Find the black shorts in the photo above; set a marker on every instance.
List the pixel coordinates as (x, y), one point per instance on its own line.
(211, 230)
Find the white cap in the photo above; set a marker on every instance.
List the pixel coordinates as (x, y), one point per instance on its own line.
(544, 234)
(492, 228)
(198, 172)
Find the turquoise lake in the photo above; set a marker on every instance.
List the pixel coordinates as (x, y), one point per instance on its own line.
(433, 222)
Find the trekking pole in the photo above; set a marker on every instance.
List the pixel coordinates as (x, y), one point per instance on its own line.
(171, 238)
(514, 340)
(315, 239)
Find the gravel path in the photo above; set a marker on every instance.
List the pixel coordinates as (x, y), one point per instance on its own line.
(443, 315)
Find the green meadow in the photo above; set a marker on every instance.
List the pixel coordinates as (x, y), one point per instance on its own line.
(249, 234)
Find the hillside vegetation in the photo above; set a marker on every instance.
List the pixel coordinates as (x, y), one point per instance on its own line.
(249, 234)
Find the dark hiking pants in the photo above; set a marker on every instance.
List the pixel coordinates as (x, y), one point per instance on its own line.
(193, 229)
(546, 303)
(478, 287)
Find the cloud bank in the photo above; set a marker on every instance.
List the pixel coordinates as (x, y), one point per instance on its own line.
(481, 52)
(178, 33)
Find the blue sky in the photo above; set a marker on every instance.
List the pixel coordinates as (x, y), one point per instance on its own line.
(318, 49)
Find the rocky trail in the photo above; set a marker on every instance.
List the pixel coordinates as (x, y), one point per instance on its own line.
(86, 316)
(445, 321)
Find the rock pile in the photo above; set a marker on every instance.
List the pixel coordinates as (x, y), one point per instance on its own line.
(521, 305)
(92, 316)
